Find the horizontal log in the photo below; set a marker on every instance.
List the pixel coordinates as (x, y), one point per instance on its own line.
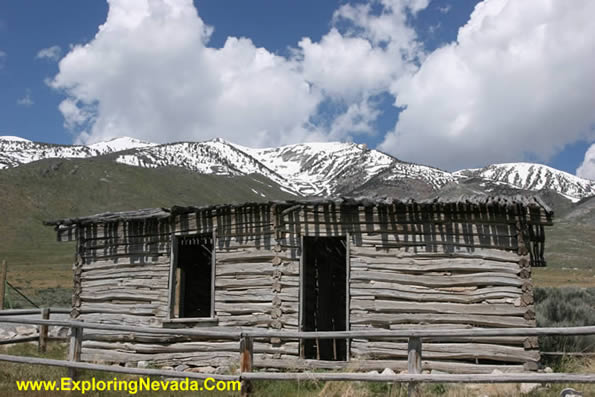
(393, 306)
(229, 283)
(189, 347)
(121, 251)
(415, 265)
(111, 368)
(127, 260)
(478, 253)
(415, 318)
(471, 279)
(403, 292)
(123, 275)
(235, 334)
(126, 284)
(131, 295)
(367, 365)
(448, 351)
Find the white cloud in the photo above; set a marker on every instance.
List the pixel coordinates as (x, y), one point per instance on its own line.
(445, 9)
(150, 73)
(518, 80)
(587, 168)
(26, 100)
(2, 58)
(53, 53)
(357, 120)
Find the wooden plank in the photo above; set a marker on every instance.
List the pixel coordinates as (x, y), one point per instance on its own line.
(246, 354)
(413, 364)
(393, 306)
(112, 368)
(421, 265)
(74, 352)
(381, 290)
(370, 349)
(288, 363)
(3, 271)
(235, 334)
(43, 331)
(416, 318)
(478, 253)
(460, 280)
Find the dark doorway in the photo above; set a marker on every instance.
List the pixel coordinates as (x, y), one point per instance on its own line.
(324, 296)
(194, 267)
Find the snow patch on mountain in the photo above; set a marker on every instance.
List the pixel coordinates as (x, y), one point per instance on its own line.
(434, 176)
(211, 157)
(13, 138)
(16, 152)
(320, 168)
(119, 144)
(534, 177)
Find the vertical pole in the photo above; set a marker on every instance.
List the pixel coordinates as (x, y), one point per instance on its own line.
(347, 294)
(74, 353)
(3, 270)
(178, 293)
(414, 364)
(246, 353)
(43, 330)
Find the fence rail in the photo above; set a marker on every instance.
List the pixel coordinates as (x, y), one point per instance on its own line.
(246, 337)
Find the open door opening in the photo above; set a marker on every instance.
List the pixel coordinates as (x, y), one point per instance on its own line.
(324, 292)
(194, 267)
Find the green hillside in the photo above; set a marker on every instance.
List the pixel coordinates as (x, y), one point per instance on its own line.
(58, 188)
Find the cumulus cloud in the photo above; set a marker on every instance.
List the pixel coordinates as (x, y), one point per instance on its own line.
(26, 100)
(53, 53)
(518, 80)
(587, 168)
(150, 73)
(2, 58)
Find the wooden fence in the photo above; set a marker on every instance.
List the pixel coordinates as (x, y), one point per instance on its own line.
(246, 338)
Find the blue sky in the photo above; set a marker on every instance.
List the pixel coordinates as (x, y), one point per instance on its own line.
(29, 106)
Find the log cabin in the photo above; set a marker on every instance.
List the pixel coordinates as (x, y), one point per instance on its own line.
(311, 265)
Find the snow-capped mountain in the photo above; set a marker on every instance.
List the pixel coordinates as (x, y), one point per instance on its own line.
(119, 144)
(533, 177)
(324, 169)
(310, 169)
(320, 169)
(210, 157)
(15, 151)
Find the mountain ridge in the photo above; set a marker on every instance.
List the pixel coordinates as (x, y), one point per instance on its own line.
(310, 169)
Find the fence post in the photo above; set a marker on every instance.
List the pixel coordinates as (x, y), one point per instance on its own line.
(74, 353)
(414, 364)
(246, 353)
(43, 330)
(3, 270)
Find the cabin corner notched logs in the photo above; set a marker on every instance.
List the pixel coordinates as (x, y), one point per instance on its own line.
(430, 264)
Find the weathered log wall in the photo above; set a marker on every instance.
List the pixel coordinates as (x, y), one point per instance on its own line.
(414, 268)
(448, 267)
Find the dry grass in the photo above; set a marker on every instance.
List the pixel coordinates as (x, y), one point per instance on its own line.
(563, 277)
